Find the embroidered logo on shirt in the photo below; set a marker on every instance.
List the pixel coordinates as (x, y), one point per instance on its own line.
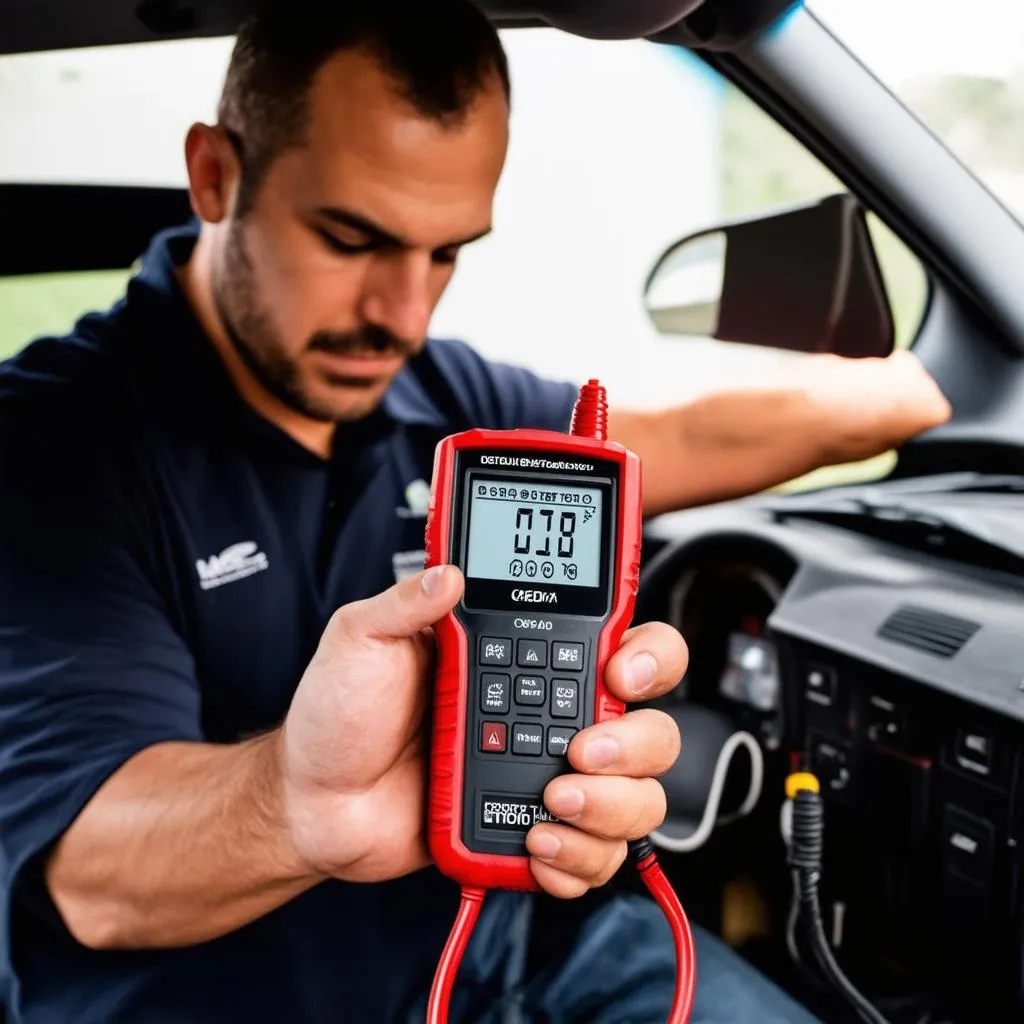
(417, 498)
(235, 562)
(417, 503)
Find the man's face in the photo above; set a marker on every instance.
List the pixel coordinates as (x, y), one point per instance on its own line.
(327, 284)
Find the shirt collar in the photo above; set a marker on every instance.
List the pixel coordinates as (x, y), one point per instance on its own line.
(407, 402)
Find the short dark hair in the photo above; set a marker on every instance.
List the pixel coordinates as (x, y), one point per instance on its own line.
(439, 54)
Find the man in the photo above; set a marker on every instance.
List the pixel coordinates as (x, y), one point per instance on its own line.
(211, 686)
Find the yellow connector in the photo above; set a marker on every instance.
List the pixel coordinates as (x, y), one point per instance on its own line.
(800, 781)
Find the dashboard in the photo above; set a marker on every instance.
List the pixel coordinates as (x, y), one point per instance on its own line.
(897, 676)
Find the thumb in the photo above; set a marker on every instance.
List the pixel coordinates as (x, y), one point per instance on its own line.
(406, 608)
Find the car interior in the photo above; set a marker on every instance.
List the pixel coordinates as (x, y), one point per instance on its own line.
(869, 632)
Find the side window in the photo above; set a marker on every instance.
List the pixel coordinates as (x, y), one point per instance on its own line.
(764, 167)
(41, 304)
(53, 107)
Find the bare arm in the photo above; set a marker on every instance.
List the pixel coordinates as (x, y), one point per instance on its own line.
(822, 411)
(185, 842)
(719, 447)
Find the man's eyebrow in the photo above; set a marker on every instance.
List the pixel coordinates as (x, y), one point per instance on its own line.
(381, 236)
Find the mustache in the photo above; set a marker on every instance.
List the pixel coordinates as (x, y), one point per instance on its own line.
(370, 339)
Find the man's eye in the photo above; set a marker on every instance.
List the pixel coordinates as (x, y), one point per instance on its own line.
(335, 244)
(446, 255)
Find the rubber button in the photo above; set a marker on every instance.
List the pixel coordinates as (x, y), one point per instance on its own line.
(567, 656)
(530, 690)
(527, 739)
(559, 738)
(493, 737)
(532, 654)
(495, 650)
(494, 693)
(564, 698)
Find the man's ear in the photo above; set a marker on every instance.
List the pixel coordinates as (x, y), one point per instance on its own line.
(213, 172)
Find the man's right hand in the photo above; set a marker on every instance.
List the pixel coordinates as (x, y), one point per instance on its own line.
(352, 746)
(353, 760)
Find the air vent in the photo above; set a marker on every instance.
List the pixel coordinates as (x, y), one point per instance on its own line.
(938, 634)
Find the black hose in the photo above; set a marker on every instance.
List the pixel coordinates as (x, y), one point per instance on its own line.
(805, 855)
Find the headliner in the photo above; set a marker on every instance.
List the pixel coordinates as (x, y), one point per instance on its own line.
(30, 25)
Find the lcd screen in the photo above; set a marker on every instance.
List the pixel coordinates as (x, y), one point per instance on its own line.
(534, 532)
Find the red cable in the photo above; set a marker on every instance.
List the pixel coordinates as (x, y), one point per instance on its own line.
(686, 958)
(659, 887)
(451, 955)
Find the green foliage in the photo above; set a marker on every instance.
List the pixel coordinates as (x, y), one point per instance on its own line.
(979, 118)
(51, 303)
(764, 167)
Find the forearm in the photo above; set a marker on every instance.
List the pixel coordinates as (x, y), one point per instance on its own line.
(185, 842)
(723, 446)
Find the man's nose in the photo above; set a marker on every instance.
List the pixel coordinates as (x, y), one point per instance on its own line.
(397, 295)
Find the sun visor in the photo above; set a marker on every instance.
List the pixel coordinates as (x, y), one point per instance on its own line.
(724, 25)
(28, 25)
(595, 19)
(695, 24)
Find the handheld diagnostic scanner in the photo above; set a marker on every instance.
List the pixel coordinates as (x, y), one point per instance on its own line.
(546, 528)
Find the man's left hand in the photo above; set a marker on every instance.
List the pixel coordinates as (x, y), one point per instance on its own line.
(615, 796)
(869, 406)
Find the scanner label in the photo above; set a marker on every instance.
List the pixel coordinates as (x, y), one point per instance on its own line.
(505, 813)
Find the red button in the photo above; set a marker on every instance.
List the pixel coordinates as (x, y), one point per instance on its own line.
(493, 737)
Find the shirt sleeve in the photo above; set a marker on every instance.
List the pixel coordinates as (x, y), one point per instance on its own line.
(91, 669)
(500, 396)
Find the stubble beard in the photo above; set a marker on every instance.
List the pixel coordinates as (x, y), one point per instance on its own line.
(254, 336)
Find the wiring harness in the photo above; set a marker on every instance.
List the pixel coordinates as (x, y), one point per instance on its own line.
(806, 845)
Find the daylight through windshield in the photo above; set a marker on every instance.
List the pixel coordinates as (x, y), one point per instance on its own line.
(962, 76)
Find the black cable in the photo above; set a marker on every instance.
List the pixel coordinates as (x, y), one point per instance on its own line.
(792, 920)
(805, 855)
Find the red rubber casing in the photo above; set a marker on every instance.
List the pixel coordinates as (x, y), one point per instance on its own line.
(450, 704)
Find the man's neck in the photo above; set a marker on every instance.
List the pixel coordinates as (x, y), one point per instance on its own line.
(195, 277)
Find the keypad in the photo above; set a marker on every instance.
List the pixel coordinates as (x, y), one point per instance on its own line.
(544, 708)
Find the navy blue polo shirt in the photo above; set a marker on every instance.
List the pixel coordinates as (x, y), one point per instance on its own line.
(168, 561)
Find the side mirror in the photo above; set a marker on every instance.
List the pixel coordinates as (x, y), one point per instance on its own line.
(805, 279)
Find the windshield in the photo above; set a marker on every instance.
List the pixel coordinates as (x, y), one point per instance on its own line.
(959, 68)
